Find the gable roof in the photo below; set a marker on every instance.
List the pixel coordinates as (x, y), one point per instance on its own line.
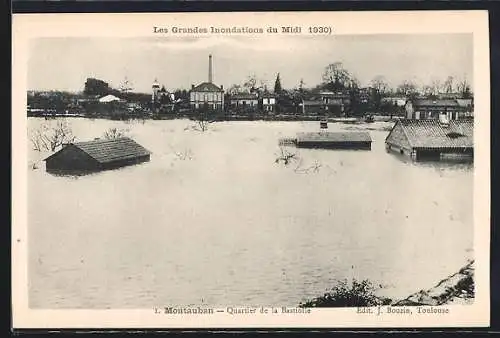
(434, 134)
(206, 87)
(334, 137)
(105, 151)
(435, 103)
(244, 96)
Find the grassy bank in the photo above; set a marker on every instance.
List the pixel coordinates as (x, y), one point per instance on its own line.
(454, 289)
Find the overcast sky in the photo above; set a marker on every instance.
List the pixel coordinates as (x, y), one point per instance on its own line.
(65, 63)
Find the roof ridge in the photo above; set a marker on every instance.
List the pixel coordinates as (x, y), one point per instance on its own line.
(103, 140)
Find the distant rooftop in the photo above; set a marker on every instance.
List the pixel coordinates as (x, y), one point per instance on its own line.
(207, 87)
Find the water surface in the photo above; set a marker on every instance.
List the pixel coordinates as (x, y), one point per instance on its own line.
(212, 219)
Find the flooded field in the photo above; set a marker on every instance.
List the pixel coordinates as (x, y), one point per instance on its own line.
(212, 219)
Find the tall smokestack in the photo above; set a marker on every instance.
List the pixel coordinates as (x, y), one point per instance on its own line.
(210, 68)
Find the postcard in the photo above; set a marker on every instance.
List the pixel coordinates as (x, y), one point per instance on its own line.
(251, 170)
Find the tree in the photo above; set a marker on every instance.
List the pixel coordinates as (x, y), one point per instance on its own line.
(379, 83)
(354, 96)
(379, 88)
(126, 86)
(235, 89)
(96, 87)
(435, 87)
(407, 88)
(336, 77)
(251, 83)
(277, 85)
(448, 84)
(50, 137)
(301, 85)
(463, 88)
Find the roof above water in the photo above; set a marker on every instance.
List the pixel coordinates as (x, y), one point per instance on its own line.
(434, 134)
(334, 137)
(105, 151)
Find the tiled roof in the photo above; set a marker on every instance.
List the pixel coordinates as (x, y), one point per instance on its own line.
(244, 96)
(105, 151)
(435, 103)
(434, 134)
(313, 103)
(206, 87)
(464, 102)
(334, 137)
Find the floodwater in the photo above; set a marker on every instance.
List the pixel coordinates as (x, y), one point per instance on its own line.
(212, 219)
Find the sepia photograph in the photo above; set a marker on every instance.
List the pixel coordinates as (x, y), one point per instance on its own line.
(207, 170)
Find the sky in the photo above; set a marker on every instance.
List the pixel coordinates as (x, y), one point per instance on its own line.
(65, 63)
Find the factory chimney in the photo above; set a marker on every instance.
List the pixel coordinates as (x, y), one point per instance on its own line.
(210, 68)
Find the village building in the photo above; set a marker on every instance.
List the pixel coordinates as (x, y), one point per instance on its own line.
(96, 155)
(315, 107)
(155, 91)
(334, 140)
(448, 96)
(432, 139)
(398, 101)
(268, 102)
(424, 109)
(326, 104)
(364, 94)
(244, 100)
(207, 95)
(467, 105)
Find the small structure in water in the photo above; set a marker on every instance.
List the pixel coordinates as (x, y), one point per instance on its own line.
(432, 139)
(335, 140)
(96, 155)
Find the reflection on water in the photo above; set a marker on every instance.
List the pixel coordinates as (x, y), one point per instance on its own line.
(227, 225)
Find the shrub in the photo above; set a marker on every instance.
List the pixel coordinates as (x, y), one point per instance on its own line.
(344, 294)
(114, 133)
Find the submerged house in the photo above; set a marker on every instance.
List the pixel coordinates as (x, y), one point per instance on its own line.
(334, 140)
(432, 139)
(96, 155)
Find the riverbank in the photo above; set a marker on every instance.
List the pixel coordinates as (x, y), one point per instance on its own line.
(455, 289)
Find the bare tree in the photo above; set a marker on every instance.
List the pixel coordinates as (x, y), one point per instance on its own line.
(335, 76)
(448, 84)
(463, 87)
(314, 168)
(379, 83)
(234, 89)
(50, 137)
(114, 133)
(407, 88)
(202, 121)
(251, 83)
(435, 86)
(285, 156)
